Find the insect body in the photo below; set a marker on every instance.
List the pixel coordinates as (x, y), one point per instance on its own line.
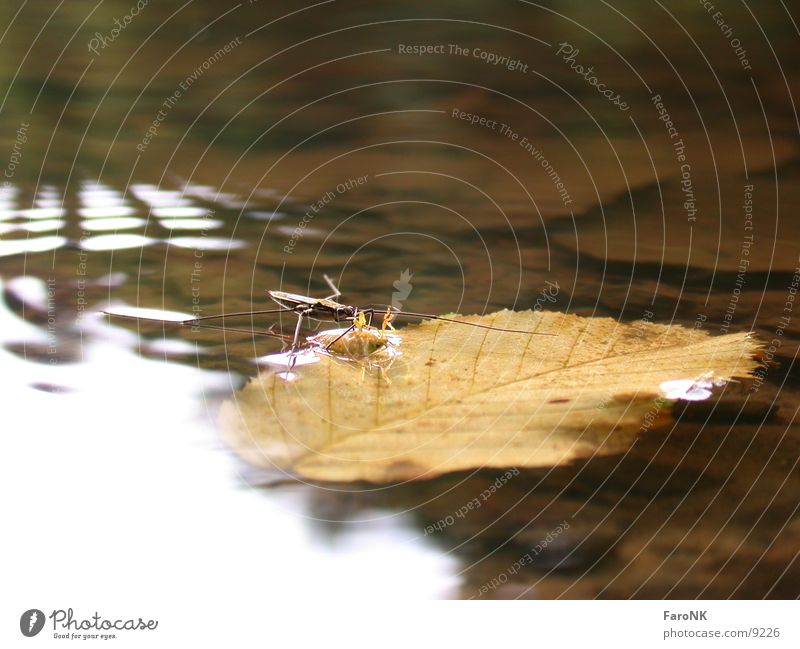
(317, 309)
(329, 310)
(362, 344)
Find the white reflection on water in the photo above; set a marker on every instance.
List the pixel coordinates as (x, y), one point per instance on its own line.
(8, 202)
(48, 197)
(48, 193)
(156, 197)
(112, 279)
(32, 226)
(97, 195)
(36, 244)
(199, 190)
(178, 212)
(43, 213)
(289, 230)
(212, 195)
(174, 346)
(151, 314)
(117, 455)
(30, 290)
(284, 359)
(48, 202)
(42, 226)
(206, 243)
(106, 211)
(191, 224)
(99, 201)
(14, 329)
(262, 215)
(105, 328)
(116, 241)
(689, 389)
(122, 223)
(126, 464)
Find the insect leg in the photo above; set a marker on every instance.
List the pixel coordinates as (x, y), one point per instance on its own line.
(197, 324)
(232, 315)
(292, 358)
(387, 319)
(340, 336)
(428, 316)
(360, 320)
(333, 287)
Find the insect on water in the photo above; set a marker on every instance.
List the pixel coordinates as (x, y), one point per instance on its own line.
(327, 309)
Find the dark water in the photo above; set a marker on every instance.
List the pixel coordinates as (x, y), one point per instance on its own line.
(172, 167)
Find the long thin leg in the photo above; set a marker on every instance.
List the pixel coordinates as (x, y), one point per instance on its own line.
(340, 336)
(192, 324)
(333, 287)
(235, 314)
(293, 351)
(428, 316)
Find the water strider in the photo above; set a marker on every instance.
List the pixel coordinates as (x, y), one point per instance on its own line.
(325, 309)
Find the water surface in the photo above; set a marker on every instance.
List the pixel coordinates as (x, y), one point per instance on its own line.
(156, 172)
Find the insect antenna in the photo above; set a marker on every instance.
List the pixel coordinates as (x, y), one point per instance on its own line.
(191, 323)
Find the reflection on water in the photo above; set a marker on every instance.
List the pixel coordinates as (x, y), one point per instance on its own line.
(191, 224)
(129, 445)
(112, 223)
(42, 213)
(115, 241)
(35, 244)
(252, 183)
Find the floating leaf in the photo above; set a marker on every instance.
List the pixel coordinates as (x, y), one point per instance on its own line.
(460, 397)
